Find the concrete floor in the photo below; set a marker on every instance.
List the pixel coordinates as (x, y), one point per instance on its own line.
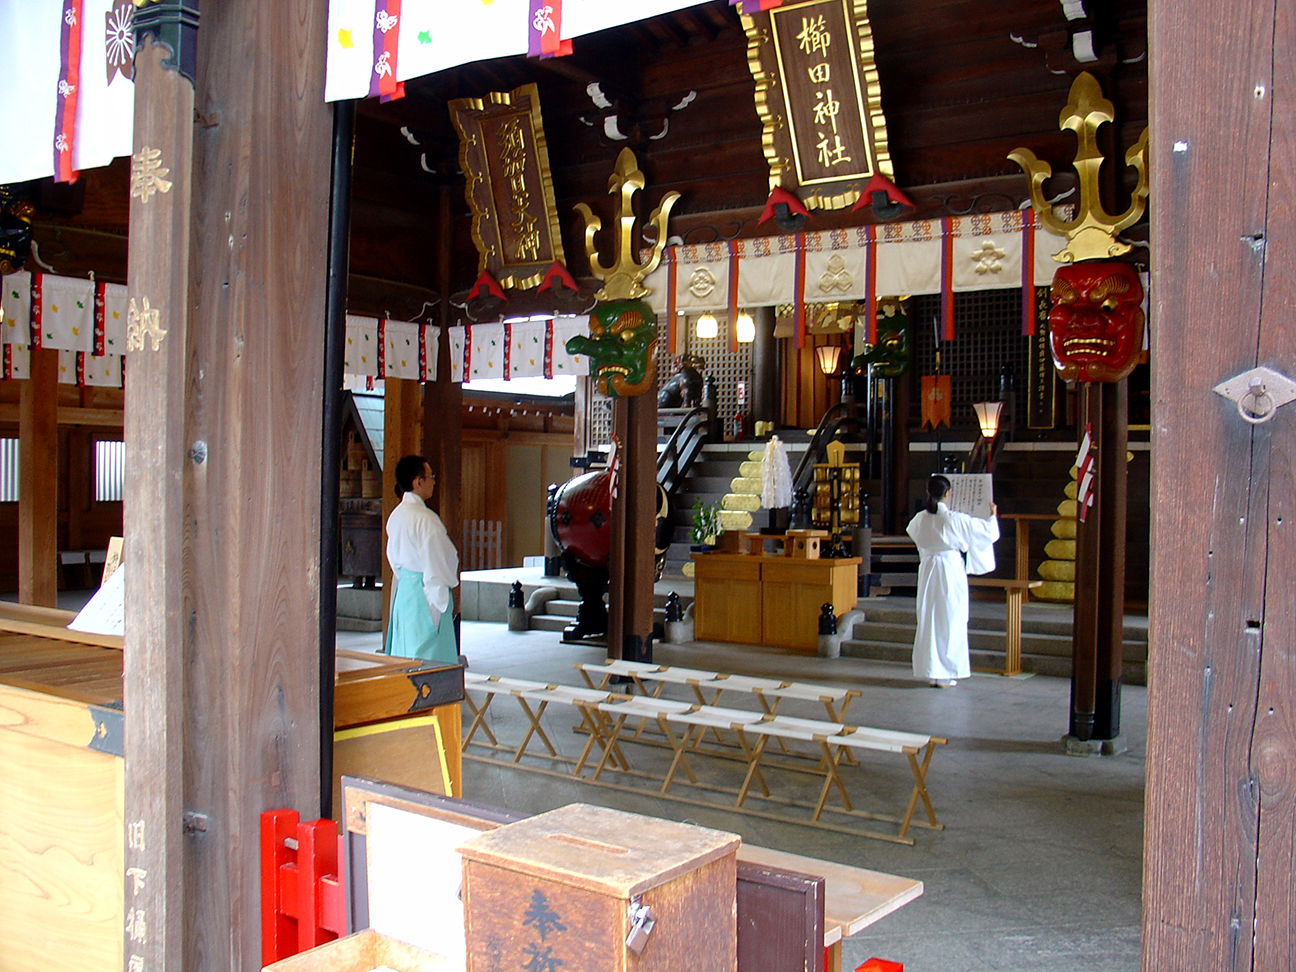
(1040, 864)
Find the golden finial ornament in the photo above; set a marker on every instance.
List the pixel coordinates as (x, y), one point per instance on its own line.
(1091, 235)
(623, 280)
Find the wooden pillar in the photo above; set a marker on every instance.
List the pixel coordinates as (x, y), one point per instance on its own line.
(153, 518)
(442, 439)
(1098, 631)
(222, 524)
(634, 512)
(1219, 868)
(765, 369)
(38, 482)
(402, 414)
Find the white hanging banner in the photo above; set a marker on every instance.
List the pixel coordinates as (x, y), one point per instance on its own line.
(526, 350)
(360, 356)
(433, 35)
(67, 313)
(486, 356)
(30, 37)
(15, 310)
(561, 362)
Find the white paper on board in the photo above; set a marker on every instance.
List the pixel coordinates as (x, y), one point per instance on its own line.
(105, 612)
(971, 494)
(414, 879)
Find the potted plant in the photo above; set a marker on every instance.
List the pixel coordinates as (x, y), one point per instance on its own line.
(706, 525)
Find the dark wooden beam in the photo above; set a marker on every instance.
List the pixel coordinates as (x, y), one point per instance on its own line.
(38, 482)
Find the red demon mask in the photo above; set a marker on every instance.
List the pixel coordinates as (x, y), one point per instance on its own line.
(1096, 323)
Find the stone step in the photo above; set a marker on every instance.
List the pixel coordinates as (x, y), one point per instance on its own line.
(989, 639)
(558, 620)
(1133, 672)
(1034, 624)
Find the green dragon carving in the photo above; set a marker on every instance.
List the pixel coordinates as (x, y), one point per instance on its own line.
(890, 356)
(620, 346)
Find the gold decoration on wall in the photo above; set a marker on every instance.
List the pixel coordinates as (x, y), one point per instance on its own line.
(147, 174)
(1091, 235)
(505, 158)
(143, 322)
(623, 279)
(818, 98)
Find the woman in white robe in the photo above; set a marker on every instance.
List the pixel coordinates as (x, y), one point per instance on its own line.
(943, 536)
(425, 567)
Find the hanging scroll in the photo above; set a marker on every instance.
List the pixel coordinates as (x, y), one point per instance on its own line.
(503, 155)
(819, 99)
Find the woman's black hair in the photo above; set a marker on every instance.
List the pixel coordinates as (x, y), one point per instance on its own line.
(408, 469)
(937, 487)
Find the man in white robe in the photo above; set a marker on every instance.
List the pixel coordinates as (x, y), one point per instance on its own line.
(943, 537)
(425, 567)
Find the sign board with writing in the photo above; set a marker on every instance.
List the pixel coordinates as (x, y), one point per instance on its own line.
(818, 97)
(970, 493)
(503, 154)
(1042, 380)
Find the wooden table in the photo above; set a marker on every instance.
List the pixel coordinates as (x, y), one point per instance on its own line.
(1015, 591)
(854, 898)
(754, 599)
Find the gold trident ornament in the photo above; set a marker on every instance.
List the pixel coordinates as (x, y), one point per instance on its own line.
(1092, 234)
(622, 281)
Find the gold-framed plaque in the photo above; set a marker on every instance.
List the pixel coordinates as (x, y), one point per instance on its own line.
(503, 155)
(818, 98)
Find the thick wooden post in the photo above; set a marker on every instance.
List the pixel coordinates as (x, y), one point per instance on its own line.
(1219, 889)
(38, 482)
(402, 410)
(634, 516)
(258, 289)
(153, 514)
(1098, 634)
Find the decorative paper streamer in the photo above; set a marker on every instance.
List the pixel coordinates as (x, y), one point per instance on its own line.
(66, 94)
(386, 51)
(467, 352)
(1084, 474)
(99, 318)
(382, 347)
(544, 30)
(423, 352)
(36, 301)
(548, 350)
(508, 352)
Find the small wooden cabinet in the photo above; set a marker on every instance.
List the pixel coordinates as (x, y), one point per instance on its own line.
(758, 600)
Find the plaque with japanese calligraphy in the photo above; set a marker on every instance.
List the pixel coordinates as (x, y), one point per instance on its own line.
(503, 155)
(818, 97)
(586, 887)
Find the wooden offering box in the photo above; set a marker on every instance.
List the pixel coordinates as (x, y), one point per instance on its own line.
(560, 887)
(364, 952)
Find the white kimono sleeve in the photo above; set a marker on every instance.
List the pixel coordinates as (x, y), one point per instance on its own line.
(981, 536)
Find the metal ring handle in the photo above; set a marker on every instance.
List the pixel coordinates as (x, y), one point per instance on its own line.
(1258, 394)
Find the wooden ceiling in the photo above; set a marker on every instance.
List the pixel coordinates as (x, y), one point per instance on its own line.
(963, 83)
